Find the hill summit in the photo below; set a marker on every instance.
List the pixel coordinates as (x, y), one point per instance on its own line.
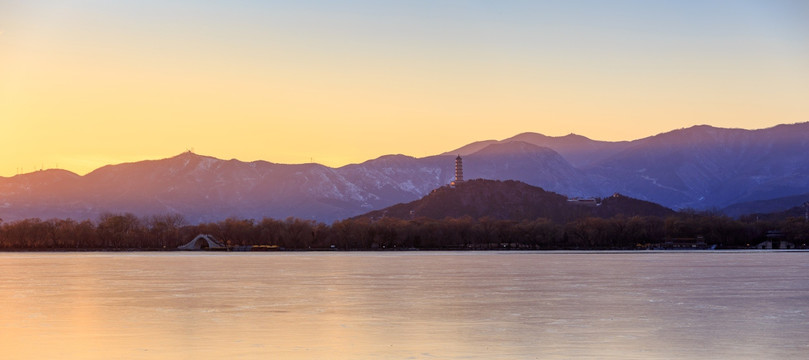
(514, 200)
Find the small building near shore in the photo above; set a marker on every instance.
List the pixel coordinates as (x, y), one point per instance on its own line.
(775, 240)
(203, 242)
(775, 244)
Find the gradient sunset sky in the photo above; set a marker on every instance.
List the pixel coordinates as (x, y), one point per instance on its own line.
(88, 83)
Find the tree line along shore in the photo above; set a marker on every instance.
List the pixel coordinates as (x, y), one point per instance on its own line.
(167, 232)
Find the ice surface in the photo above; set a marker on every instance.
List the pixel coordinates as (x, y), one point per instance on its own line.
(414, 305)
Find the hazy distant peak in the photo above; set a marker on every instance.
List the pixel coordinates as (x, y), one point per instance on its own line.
(780, 127)
(190, 155)
(699, 127)
(708, 130)
(46, 175)
(570, 141)
(512, 147)
(394, 157)
(470, 148)
(573, 136)
(695, 136)
(187, 153)
(189, 160)
(528, 135)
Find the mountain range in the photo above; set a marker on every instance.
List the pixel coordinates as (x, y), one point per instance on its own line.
(700, 167)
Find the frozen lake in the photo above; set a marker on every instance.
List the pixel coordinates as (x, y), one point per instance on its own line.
(405, 305)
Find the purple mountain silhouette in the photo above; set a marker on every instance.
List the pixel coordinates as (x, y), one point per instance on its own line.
(701, 167)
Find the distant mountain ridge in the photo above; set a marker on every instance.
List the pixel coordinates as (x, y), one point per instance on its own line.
(767, 206)
(700, 167)
(705, 167)
(578, 150)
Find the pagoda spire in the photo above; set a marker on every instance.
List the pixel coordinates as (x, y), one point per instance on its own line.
(458, 170)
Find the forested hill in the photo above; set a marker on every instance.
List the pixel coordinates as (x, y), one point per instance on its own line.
(513, 200)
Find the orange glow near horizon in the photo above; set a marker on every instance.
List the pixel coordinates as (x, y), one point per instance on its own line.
(88, 84)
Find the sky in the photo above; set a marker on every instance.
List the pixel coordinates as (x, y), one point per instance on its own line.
(87, 83)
